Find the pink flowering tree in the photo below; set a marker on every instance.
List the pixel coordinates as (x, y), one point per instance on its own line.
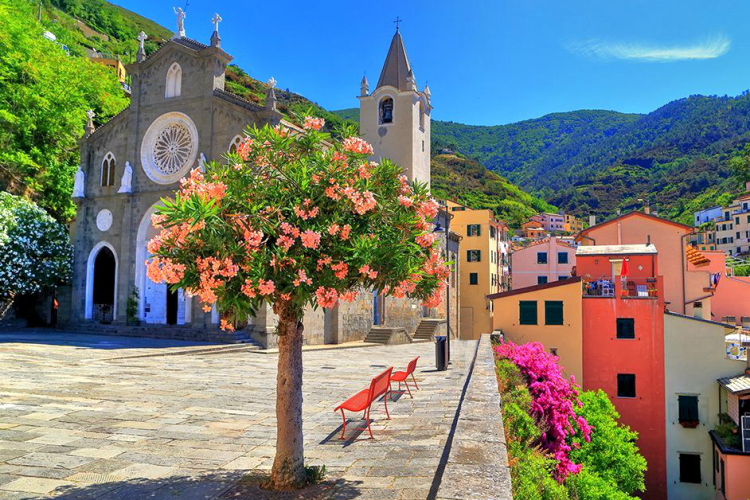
(554, 402)
(295, 220)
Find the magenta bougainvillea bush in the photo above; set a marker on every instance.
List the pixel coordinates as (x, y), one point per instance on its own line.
(554, 399)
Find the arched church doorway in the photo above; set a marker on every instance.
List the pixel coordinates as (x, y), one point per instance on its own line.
(158, 304)
(105, 270)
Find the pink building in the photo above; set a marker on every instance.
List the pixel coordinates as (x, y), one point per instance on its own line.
(731, 300)
(543, 261)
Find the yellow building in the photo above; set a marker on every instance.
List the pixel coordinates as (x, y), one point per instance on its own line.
(115, 64)
(558, 324)
(484, 251)
(573, 224)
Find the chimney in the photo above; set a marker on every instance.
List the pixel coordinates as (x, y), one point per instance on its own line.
(592, 219)
(646, 207)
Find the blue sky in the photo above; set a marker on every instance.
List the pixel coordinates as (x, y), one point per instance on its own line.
(488, 62)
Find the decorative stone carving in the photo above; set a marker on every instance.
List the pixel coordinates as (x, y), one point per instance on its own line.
(126, 184)
(104, 220)
(169, 147)
(80, 183)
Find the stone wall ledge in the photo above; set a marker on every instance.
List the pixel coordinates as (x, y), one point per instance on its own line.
(477, 466)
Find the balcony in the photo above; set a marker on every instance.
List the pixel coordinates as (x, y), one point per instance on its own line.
(630, 288)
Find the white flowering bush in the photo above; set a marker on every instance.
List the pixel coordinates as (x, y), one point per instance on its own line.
(35, 250)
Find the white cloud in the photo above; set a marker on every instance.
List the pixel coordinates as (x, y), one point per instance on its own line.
(643, 52)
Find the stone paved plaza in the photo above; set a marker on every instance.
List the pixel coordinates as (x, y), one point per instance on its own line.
(92, 417)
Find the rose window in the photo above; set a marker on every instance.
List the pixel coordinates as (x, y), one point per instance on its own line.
(172, 148)
(169, 148)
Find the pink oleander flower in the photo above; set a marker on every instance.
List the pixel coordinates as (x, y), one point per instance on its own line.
(313, 123)
(335, 228)
(309, 213)
(323, 261)
(349, 296)
(327, 297)
(369, 272)
(286, 296)
(266, 287)
(285, 242)
(428, 209)
(342, 269)
(289, 230)
(426, 240)
(405, 201)
(249, 290)
(302, 278)
(227, 326)
(310, 239)
(345, 232)
(158, 219)
(333, 192)
(358, 146)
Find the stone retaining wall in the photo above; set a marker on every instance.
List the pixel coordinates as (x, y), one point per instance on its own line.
(477, 467)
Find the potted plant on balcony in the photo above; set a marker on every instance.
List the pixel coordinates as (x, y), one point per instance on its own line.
(689, 424)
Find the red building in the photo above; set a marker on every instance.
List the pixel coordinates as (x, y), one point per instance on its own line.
(623, 344)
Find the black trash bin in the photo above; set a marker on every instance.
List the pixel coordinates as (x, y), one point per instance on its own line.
(441, 352)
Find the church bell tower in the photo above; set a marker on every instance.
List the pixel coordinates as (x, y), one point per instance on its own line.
(395, 117)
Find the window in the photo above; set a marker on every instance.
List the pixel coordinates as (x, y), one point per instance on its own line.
(553, 312)
(562, 257)
(108, 170)
(625, 385)
(421, 118)
(174, 81)
(625, 328)
(527, 312)
(688, 409)
(386, 110)
(234, 144)
(458, 209)
(690, 468)
(560, 278)
(493, 232)
(474, 255)
(474, 230)
(541, 280)
(553, 351)
(473, 278)
(541, 257)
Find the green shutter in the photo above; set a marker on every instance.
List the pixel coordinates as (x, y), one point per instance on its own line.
(528, 312)
(553, 312)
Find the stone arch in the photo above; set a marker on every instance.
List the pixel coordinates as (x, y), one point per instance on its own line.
(108, 170)
(174, 81)
(93, 284)
(385, 110)
(153, 298)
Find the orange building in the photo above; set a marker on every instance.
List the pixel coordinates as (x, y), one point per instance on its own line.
(533, 229)
(623, 344)
(685, 289)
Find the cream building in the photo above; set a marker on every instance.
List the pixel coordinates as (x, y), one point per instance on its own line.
(395, 117)
(695, 357)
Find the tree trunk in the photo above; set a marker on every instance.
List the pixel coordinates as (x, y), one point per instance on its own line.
(289, 465)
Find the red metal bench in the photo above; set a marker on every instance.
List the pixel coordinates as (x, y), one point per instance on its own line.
(403, 376)
(380, 385)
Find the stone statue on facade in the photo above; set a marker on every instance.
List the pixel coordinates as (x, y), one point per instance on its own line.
(181, 15)
(202, 163)
(126, 184)
(78, 187)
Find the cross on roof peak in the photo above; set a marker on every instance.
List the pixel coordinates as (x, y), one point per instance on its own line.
(397, 22)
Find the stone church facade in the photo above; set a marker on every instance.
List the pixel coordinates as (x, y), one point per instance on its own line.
(180, 114)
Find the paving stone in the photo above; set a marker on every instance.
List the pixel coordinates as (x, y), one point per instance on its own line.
(51, 460)
(34, 485)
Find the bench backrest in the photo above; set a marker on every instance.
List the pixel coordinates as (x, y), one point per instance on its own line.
(412, 366)
(380, 384)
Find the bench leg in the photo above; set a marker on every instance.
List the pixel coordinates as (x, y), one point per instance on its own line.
(385, 400)
(407, 388)
(415, 380)
(367, 418)
(343, 431)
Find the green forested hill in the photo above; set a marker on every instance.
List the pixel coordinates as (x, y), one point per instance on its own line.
(677, 156)
(462, 179)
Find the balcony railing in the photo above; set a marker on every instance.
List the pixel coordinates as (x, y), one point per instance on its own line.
(631, 288)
